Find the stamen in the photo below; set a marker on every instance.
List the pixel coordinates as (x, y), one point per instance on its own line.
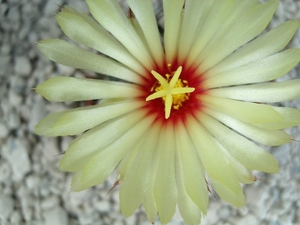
(173, 93)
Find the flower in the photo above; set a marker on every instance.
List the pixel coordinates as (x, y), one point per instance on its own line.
(180, 116)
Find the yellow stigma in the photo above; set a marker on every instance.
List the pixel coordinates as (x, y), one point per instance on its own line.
(173, 91)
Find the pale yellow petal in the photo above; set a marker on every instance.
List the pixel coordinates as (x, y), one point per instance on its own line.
(68, 54)
(75, 121)
(214, 161)
(255, 133)
(263, 46)
(262, 70)
(66, 89)
(135, 183)
(97, 169)
(165, 189)
(243, 174)
(240, 9)
(291, 117)
(111, 16)
(218, 13)
(263, 92)
(248, 26)
(252, 113)
(144, 13)
(193, 15)
(172, 15)
(188, 209)
(244, 151)
(192, 169)
(128, 160)
(83, 148)
(149, 197)
(235, 198)
(77, 26)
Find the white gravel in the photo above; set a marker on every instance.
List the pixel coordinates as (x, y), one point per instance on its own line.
(34, 192)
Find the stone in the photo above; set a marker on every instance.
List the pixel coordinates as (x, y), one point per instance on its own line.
(3, 8)
(28, 10)
(56, 215)
(224, 212)
(5, 173)
(27, 213)
(17, 155)
(22, 66)
(6, 207)
(26, 202)
(50, 202)
(51, 149)
(132, 219)
(86, 218)
(37, 112)
(14, 120)
(51, 7)
(18, 84)
(65, 143)
(33, 38)
(14, 98)
(248, 220)
(5, 49)
(103, 206)
(15, 218)
(24, 32)
(13, 14)
(65, 70)
(3, 130)
(4, 64)
(32, 182)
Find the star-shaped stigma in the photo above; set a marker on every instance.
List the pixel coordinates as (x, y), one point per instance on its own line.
(173, 93)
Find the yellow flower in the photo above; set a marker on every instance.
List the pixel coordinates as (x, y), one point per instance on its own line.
(180, 115)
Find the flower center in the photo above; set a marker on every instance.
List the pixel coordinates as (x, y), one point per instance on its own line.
(172, 90)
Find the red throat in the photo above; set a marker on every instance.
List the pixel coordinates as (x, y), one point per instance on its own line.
(188, 107)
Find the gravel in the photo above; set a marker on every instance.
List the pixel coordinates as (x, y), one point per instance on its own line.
(34, 192)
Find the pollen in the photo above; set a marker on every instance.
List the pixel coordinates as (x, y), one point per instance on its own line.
(171, 89)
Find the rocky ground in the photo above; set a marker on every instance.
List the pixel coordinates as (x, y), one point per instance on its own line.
(34, 192)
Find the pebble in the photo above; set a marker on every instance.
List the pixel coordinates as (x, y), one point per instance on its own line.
(22, 66)
(50, 202)
(248, 220)
(103, 206)
(52, 7)
(32, 182)
(14, 120)
(3, 8)
(15, 218)
(28, 9)
(36, 112)
(6, 206)
(24, 32)
(14, 98)
(78, 5)
(4, 64)
(87, 218)
(5, 49)
(65, 142)
(224, 212)
(13, 14)
(5, 172)
(27, 213)
(65, 70)
(18, 84)
(17, 155)
(56, 215)
(3, 130)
